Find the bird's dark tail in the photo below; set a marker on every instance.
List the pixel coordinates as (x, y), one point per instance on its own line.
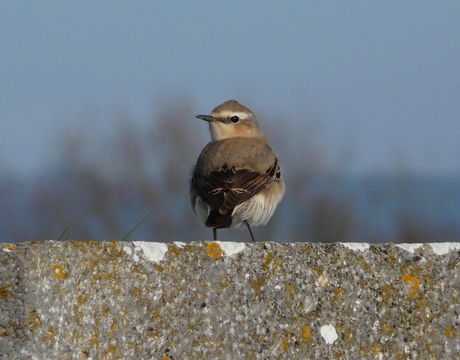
(219, 221)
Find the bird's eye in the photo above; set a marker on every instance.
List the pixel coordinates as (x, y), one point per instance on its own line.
(235, 119)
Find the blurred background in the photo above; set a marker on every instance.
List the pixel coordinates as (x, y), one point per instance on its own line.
(361, 100)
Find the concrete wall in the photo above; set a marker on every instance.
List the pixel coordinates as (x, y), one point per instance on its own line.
(131, 300)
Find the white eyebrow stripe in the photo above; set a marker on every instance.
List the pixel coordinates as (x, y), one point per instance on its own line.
(225, 114)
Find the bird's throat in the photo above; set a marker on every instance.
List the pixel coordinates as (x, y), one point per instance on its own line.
(220, 131)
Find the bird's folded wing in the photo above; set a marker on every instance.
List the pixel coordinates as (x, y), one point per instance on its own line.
(226, 188)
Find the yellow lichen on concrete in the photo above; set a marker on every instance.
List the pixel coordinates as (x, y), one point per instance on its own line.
(318, 269)
(306, 332)
(387, 292)
(214, 250)
(82, 298)
(386, 328)
(284, 344)
(34, 321)
(136, 293)
(271, 264)
(348, 336)
(290, 289)
(174, 250)
(49, 337)
(376, 349)
(276, 266)
(225, 282)
(158, 267)
(106, 275)
(59, 271)
(339, 295)
(450, 332)
(257, 286)
(4, 292)
(9, 248)
(340, 291)
(105, 309)
(93, 340)
(113, 350)
(267, 261)
(412, 282)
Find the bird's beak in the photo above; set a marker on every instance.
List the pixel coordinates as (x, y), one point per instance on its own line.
(207, 118)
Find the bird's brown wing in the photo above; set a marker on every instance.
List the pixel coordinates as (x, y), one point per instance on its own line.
(226, 188)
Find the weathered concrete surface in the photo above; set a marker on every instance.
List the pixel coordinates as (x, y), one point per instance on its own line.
(113, 300)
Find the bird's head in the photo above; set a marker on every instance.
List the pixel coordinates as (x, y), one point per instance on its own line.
(231, 119)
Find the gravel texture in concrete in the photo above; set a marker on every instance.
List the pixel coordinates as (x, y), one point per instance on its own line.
(217, 300)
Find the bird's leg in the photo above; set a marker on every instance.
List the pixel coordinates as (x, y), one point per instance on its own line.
(250, 231)
(214, 233)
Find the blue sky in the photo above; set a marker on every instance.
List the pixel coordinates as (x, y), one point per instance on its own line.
(382, 76)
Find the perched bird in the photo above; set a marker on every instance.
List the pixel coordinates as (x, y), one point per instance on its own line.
(237, 178)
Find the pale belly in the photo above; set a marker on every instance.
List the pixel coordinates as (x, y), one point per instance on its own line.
(257, 211)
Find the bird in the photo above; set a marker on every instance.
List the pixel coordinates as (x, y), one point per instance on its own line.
(237, 180)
